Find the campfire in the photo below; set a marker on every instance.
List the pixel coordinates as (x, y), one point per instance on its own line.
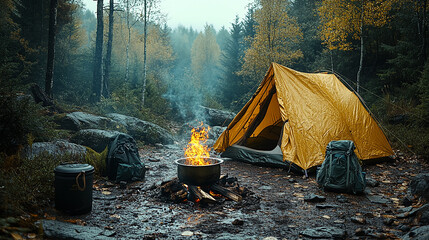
(199, 175)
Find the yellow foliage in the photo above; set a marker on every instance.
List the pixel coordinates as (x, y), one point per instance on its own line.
(97, 160)
(276, 34)
(343, 20)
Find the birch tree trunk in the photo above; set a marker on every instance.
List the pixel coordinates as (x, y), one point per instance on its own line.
(144, 51)
(108, 51)
(361, 50)
(127, 64)
(97, 84)
(49, 80)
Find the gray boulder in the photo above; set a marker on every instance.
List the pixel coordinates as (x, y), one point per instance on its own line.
(324, 232)
(57, 148)
(53, 229)
(419, 186)
(140, 130)
(94, 138)
(76, 121)
(216, 117)
(417, 233)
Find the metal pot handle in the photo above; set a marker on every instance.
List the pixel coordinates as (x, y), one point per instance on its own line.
(84, 181)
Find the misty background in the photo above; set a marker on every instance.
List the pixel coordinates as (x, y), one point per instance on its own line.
(221, 67)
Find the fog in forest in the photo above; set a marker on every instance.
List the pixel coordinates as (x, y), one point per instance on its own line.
(130, 61)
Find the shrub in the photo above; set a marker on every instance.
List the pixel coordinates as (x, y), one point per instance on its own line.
(20, 120)
(28, 184)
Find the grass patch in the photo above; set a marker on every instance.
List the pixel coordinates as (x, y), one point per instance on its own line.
(27, 185)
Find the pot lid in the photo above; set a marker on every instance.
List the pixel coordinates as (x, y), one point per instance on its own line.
(74, 168)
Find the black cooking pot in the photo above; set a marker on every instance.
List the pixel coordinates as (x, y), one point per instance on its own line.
(199, 175)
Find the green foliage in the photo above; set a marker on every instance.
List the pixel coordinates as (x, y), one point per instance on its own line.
(423, 87)
(231, 61)
(409, 138)
(20, 118)
(14, 66)
(125, 100)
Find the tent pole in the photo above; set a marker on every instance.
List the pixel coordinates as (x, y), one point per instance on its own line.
(306, 174)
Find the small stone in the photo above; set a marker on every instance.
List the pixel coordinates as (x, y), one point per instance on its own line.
(404, 228)
(187, 233)
(359, 220)
(291, 180)
(372, 183)
(377, 199)
(360, 232)
(323, 206)
(314, 198)
(342, 199)
(324, 232)
(269, 238)
(405, 209)
(153, 159)
(265, 188)
(238, 222)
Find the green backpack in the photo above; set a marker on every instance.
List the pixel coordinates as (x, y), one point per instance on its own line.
(341, 171)
(123, 161)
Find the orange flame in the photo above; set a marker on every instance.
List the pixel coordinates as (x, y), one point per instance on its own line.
(196, 153)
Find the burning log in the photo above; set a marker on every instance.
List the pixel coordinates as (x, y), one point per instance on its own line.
(201, 194)
(226, 192)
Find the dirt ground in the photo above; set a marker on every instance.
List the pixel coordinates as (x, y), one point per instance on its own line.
(275, 206)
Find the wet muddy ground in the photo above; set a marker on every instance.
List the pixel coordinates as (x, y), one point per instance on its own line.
(274, 207)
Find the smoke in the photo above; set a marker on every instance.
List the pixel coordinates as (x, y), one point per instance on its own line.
(184, 97)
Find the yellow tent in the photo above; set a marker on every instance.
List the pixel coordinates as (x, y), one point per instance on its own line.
(308, 110)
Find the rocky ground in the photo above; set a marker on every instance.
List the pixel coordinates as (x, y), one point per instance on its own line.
(279, 205)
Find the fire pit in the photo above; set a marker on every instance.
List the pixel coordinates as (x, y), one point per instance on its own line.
(199, 175)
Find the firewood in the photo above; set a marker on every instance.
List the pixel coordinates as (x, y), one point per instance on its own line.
(226, 192)
(202, 195)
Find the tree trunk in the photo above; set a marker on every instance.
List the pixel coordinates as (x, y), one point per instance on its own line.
(49, 81)
(108, 52)
(423, 32)
(127, 63)
(361, 51)
(97, 84)
(144, 51)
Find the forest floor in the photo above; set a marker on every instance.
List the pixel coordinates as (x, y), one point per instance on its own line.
(275, 208)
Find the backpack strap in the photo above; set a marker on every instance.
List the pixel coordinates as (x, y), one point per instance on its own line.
(348, 153)
(329, 165)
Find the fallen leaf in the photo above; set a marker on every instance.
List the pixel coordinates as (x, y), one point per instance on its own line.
(106, 192)
(326, 217)
(187, 233)
(16, 236)
(299, 195)
(31, 235)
